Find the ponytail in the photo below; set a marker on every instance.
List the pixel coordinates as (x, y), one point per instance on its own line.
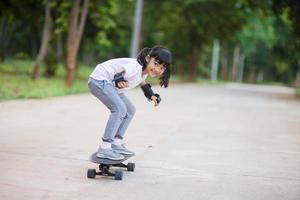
(142, 57)
(164, 79)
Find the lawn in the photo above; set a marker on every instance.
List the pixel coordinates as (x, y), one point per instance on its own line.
(298, 92)
(15, 81)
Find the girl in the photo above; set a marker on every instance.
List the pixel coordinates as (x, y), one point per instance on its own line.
(112, 78)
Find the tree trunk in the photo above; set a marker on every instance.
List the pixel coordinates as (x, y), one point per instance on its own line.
(3, 38)
(297, 82)
(251, 76)
(59, 49)
(241, 68)
(45, 42)
(236, 55)
(77, 21)
(215, 60)
(224, 63)
(260, 77)
(135, 40)
(193, 65)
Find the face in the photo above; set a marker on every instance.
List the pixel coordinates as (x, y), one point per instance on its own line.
(154, 69)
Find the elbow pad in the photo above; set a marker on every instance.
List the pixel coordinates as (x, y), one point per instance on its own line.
(117, 78)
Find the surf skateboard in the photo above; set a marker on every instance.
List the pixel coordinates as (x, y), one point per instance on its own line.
(105, 167)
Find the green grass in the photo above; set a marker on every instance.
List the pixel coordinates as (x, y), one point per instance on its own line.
(15, 82)
(297, 92)
(22, 87)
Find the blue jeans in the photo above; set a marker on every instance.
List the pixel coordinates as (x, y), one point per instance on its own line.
(122, 110)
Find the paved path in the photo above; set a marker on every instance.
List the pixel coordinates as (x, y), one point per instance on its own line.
(222, 142)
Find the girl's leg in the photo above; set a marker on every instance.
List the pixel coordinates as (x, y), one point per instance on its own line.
(118, 144)
(128, 117)
(109, 96)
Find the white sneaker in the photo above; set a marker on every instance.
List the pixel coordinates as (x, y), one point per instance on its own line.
(110, 154)
(121, 149)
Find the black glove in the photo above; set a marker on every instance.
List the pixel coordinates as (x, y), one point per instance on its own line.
(158, 100)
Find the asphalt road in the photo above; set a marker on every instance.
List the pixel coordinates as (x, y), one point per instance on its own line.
(212, 142)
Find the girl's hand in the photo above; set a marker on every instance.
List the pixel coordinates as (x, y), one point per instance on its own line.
(154, 99)
(122, 84)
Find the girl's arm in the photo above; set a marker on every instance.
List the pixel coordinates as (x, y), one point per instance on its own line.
(149, 93)
(143, 83)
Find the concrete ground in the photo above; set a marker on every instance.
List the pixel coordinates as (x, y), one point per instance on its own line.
(216, 142)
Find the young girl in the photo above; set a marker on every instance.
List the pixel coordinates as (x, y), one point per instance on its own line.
(112, 78)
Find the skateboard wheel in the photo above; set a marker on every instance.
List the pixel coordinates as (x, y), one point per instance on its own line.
(118, 175)
(91, 173)
(130, 167)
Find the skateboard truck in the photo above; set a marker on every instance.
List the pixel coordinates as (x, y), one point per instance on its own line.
(105, 166)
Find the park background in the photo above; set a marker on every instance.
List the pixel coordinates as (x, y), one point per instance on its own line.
(226, 128)
(49, 48)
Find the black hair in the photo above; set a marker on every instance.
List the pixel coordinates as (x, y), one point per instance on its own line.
(163, 56)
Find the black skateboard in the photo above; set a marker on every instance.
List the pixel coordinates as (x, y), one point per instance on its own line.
(106, 164)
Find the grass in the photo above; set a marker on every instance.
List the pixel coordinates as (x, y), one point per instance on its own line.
(297, 92)
(15, 82)
(22, 87)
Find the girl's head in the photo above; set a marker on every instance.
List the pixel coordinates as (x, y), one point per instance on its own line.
(156, 61)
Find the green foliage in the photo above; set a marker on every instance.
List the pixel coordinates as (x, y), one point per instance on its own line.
(108, 31)
(18, 19)
(257, 38)
(290, 8)
(257, 30)
(187, 26)
(62, 9)
(103, 18)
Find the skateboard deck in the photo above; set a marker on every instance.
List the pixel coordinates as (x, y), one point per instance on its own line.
(97, 160)
(106, 164)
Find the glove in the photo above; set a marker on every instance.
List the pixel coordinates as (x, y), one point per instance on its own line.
(158, 100)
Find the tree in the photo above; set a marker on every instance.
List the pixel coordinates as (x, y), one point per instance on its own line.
(257, 38)
(47, 32)
(187, 26)
(77, 21)
(292, 8)
(17, 25)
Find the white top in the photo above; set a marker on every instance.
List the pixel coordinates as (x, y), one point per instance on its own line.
(130, 66)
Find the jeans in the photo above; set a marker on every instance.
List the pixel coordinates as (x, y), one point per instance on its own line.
(121, 109)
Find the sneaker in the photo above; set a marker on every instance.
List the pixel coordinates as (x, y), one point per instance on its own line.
(122, 149)
(109, 154)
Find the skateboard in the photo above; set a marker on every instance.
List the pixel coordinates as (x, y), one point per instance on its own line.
(106, 164)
